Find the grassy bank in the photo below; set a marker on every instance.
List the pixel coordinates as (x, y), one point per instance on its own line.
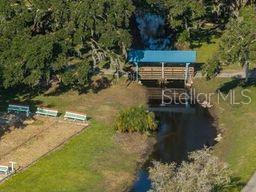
(236, 121)
(238, 124)
(96, 160)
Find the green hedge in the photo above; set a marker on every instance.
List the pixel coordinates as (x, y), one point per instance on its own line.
(136, 119)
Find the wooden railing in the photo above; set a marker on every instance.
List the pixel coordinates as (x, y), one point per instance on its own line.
(174, 93)
(170, 73)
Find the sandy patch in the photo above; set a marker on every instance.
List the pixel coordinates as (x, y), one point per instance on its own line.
(136, 143)
(115, 179)
(37, 138)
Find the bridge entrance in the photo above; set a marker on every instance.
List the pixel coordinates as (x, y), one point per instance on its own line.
(173, 69)
(163, 66)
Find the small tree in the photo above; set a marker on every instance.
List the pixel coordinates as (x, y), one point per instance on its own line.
(202, 172)
(136, 119)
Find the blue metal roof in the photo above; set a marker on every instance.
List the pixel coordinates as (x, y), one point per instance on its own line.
(150, 56)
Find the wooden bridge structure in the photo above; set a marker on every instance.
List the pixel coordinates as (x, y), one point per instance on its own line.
(163, 66)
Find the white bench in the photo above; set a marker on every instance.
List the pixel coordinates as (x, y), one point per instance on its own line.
(47, 112)
(4, 170)
(75, 116)
(18, 108)
(7, 169)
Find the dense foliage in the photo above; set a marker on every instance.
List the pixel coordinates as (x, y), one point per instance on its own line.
(61, 39)
(189, 19)
(135, 119)
(69, 41)
(238, 43)
(203, 172)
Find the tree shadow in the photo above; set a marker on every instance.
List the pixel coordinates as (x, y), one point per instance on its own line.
(202, 35)
(236, 82)
(62, 89)
(235, 184)
(19, 96)
(11, 121)
(100, 84)
(226, 87)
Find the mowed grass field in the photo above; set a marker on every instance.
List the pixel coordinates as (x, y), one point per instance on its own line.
(92, 161)
(237, 122)
(207, 50)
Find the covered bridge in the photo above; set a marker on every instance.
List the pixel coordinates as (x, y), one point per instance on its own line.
(163, 65)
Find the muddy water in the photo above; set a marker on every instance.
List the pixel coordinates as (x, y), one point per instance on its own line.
(179, 134)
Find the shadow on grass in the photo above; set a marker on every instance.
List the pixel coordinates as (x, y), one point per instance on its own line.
(236, 184)
(95, 86)
(226, 87)
(57, 92)
(10, 121)
(18, 96)
(236, 82)
(201, 36)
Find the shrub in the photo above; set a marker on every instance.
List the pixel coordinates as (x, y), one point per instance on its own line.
(136, 119)
(183, 41)
(212, 67)
(203, 172)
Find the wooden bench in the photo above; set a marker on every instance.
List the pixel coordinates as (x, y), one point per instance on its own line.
(75, 116)
(46, 112)
(4, 170)
(19, 108)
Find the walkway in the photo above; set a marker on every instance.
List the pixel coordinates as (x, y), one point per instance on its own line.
(237, 74)
(251, 185)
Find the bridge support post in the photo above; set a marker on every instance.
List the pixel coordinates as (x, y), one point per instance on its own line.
(163, 71)
(163, 103)
(137, 71)
(187, 102)
(186, 73)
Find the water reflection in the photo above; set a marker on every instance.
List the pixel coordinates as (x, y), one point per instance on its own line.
(179, 133)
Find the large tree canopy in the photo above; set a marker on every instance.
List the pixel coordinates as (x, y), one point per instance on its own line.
(61, 38)
(238, 43)
(69, 40)
(188, 18)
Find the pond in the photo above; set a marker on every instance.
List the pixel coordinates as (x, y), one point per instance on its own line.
(178, 134)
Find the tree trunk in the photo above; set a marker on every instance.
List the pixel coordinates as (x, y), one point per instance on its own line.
(246, 71)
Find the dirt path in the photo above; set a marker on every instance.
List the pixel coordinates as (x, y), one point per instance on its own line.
(26, 145)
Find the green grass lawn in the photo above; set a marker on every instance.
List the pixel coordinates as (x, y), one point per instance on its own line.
(79, 166)
(206, 50)
(93, 160)
(238, 123)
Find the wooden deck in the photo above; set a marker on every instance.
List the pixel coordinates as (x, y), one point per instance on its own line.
(169, 73)
(174, 93)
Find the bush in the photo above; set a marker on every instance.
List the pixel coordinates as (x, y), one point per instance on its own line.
(203, 172)
(136, 119)
(183, 41)
(212, 68)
